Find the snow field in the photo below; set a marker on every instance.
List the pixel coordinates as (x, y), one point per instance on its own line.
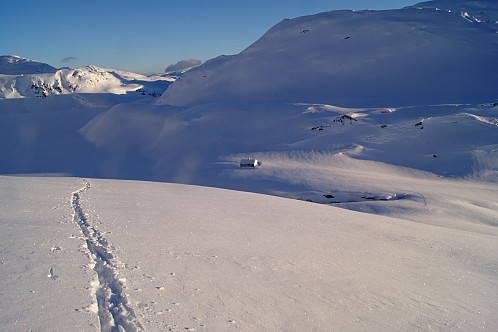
(45, 270)
(113, 309)
(374, 187)
(212, 259)
(441, 139)
(182, 257)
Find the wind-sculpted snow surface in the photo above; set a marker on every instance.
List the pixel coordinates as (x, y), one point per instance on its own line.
(411, 56)
(188, 144)
(309, 151)
(356, 158)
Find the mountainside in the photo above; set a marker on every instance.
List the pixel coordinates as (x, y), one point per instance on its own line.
(26, 78)
(416, 55)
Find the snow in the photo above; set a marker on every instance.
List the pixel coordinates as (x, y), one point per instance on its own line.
(440, 139)
(45, 275)
(404, 57)
(15, 65)
(374, 206)
(484, 12)
(187, 260)
(26, 78)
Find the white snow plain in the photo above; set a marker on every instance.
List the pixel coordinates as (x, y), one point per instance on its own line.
(181, 257)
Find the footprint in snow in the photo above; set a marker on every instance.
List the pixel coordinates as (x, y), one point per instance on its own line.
(51, 274)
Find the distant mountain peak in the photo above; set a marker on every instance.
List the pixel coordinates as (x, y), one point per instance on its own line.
(21, 77)
(15, 65)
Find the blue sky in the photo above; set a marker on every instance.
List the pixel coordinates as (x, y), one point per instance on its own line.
(146, 36)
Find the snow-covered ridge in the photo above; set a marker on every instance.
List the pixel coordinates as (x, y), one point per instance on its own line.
(410, 56)
(485, 12)
(26, 78)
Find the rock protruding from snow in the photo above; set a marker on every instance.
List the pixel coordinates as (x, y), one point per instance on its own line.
(354, 58)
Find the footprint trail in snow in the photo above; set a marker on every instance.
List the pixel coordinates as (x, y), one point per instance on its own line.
(114, 312)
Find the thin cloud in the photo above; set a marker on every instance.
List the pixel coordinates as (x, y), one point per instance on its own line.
(183, 64)
(68, 59)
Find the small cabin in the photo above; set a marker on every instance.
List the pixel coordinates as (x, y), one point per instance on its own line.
(249, 162)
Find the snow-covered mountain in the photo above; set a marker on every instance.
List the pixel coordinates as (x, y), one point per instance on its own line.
(15, 65)
(26, 78)
(200, 144)
(270, 100)
(435, 52)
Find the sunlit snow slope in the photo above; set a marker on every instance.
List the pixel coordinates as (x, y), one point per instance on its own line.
(421, 54)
